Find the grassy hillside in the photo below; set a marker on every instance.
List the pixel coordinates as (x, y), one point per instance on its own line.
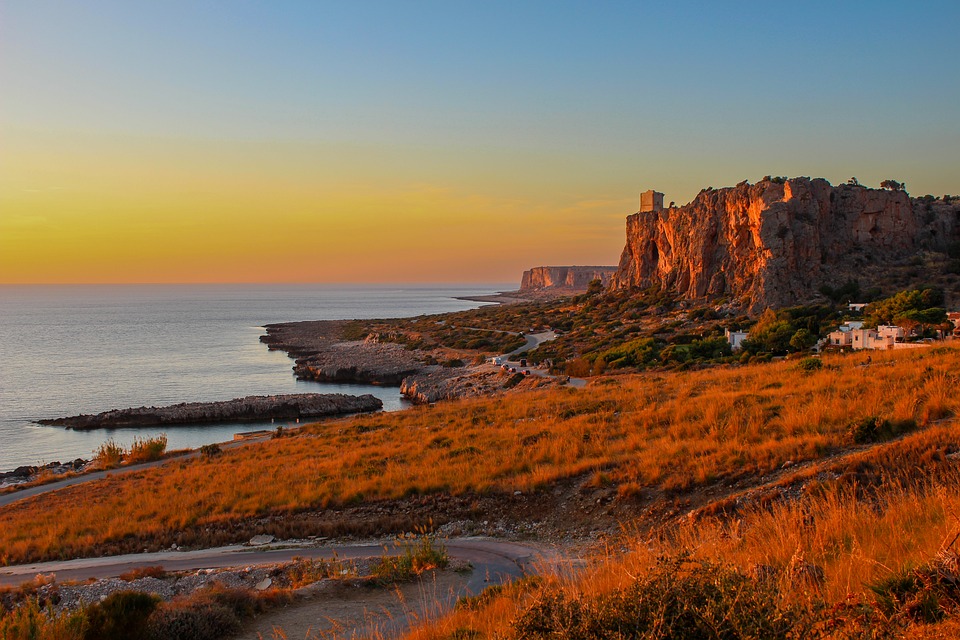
(860, 546)
(674, 434)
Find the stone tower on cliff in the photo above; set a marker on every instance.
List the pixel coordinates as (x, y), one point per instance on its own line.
(651, 201)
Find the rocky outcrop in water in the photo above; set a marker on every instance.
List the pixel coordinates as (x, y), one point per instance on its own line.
(251, 408)
(775, 243)
(321, 354)
(573, 278)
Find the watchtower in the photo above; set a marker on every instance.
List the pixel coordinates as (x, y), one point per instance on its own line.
(651, 201)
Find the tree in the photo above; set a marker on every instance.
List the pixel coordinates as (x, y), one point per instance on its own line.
(803, 340)
(893, 185)
(853, 182)
(594, 287)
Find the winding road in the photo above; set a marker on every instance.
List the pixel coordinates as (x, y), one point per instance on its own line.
(493, 560)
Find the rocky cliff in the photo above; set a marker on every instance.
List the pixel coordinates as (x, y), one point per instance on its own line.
(775, 243)
(573, 278)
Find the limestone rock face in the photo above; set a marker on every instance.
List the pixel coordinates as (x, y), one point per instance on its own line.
(574, 278)
(773, 244)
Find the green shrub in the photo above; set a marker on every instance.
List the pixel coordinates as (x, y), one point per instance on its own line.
(210, 450)
(422, 552)
(121, 616)
(31, 622)
(185, 620)
(810, 364)
(876, 429)
(926, 594)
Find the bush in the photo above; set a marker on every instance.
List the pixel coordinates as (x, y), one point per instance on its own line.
(108, 455)
(148, 449)
(210, 450)
(810, 364)
(122, 615)
(30, 622)
(422, 553)
(185, 620)
(875, 429)
(926, 594)
(678, 598)
(304, 571)
(209, 614)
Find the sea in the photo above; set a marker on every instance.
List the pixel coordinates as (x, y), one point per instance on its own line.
(68, 350)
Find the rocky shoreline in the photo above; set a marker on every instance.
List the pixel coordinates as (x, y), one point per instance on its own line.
(248, 409)
(322, 355)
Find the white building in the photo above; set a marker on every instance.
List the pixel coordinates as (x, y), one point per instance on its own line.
(860, 338)
(870, 339)
(735, 338)
(840, 338)
(843, 337)
(891, 330)
(856, 306)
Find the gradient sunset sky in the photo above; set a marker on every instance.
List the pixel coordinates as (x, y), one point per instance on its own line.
(356, 141)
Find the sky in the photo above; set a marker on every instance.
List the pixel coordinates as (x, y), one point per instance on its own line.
(447, 141)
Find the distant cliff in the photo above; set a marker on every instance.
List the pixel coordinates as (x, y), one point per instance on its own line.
(775, 243)
(573, 278)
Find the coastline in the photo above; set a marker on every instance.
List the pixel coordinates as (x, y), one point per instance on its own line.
(159, 345)
(503, 297)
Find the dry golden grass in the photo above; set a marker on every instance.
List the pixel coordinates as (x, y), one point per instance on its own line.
(857, 535)
(673, 431)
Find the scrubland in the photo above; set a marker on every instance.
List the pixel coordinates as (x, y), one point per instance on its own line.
(674, 432)
(817, 501)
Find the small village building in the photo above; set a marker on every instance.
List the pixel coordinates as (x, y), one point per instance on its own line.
(843, 336)
(853, 335)
(840, 338)
(891, 330)
(856, 306)
(735, 338)
(954, 317)
(870, 339)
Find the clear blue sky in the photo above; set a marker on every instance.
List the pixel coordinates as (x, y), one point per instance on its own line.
(528, 107)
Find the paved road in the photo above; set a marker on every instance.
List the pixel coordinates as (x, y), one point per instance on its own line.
(534, 340)
(23, 494)
(494, 561)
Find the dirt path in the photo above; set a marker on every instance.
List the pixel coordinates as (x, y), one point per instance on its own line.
(354, 611)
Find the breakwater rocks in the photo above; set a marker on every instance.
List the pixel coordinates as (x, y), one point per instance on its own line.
(321, 354)
(299, 405)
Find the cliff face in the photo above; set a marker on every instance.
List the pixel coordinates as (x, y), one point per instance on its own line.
(774, 244)
(565, 277)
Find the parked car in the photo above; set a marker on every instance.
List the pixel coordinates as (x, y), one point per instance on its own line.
(526, 372)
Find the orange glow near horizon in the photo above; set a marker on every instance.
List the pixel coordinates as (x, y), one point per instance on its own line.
(188, 213)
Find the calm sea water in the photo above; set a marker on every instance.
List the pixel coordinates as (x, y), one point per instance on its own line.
(66, 350)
